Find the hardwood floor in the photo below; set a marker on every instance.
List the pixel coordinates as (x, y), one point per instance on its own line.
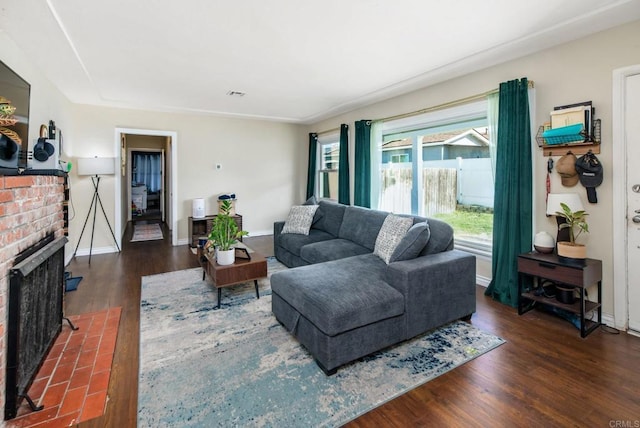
(545, 375)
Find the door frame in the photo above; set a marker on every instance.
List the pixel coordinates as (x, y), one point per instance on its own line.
(619, 171)
(173, 185)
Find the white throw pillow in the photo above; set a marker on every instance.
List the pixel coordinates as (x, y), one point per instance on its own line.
(391, 233)
(299, 219)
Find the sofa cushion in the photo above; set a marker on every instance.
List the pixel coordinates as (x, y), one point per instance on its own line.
(412, 243)
(441, 238)
(294, 242)
(361, 225)
(299, 219)
(331, 220)
(340, 295)
(391, 233)
(333, 249)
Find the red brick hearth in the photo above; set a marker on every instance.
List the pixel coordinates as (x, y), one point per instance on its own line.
(73, 380)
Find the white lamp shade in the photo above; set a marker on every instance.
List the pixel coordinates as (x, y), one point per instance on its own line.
(572, 200)
(96, 166)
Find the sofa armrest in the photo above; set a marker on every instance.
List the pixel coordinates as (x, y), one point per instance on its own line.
(438, 288)
(277, 228)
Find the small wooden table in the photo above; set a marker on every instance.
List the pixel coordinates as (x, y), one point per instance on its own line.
(551, 267)
(243, 270)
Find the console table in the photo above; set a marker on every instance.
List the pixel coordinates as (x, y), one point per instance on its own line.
(202, 226)
(549, 266)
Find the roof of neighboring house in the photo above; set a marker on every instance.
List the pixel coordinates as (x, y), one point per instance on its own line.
(471, 137)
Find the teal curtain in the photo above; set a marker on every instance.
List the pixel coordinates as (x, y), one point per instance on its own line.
(343, 166)
(362, 185)
(512, 215)
(311, 173)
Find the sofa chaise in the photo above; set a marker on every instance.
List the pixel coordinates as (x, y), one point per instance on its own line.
(342, 301)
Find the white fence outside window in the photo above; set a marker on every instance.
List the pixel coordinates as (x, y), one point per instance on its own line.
(446, 183)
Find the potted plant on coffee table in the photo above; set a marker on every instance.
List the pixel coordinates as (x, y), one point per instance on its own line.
(225, 234)
(574, 220)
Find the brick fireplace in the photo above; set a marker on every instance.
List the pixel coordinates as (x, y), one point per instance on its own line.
(31, 207)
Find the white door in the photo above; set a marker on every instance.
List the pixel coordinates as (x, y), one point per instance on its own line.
(632, 132)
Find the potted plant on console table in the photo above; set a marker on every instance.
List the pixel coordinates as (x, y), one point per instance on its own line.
(573, 220)
(225, 234)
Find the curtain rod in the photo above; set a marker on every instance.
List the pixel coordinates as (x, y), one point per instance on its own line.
(329, 131)
(446, 105)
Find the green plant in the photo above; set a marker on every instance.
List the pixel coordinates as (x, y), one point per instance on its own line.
(224, 231)
(574, 220)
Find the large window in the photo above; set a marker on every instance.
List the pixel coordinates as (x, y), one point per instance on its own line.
(329, 155)
(439, 165)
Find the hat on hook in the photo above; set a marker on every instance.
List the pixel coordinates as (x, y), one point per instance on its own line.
(590, 174)
(566, 167)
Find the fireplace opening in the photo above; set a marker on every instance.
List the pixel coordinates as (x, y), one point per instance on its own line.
(35, 315)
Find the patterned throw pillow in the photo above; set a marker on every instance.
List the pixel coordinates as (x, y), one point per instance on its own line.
(299, 219)
(391, 233)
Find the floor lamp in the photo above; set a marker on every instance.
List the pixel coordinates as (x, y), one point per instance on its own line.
(95, 167)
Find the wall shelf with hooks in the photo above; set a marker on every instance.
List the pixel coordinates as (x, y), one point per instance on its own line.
(578, 142)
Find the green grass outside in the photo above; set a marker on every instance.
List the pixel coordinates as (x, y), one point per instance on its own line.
(468, 222)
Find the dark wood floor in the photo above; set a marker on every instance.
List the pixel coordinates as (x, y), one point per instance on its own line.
(545, 375)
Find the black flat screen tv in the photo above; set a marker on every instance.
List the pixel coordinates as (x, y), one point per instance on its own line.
(14, 120)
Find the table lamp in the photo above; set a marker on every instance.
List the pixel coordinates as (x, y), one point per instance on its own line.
(572, 200)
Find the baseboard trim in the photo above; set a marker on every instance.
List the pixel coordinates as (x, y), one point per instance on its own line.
(483, 280)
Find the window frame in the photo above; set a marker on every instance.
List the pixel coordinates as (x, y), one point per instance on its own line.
(325, 140)
(443, 118)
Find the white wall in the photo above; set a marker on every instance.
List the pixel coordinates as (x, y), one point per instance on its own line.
(569, 73)
(261, 162)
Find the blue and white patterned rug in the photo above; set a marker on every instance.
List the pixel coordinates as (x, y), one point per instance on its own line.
(237, 366)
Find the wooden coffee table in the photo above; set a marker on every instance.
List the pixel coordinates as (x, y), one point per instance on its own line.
(243, 270)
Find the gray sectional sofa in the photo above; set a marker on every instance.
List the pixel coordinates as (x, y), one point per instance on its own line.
(342, 302)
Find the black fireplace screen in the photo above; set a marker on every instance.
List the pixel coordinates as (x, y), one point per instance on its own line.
(36, 288)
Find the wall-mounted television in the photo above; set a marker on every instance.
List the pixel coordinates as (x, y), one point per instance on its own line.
(14, 120)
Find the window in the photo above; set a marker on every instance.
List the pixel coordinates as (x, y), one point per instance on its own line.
(329, 155)
(439, 165)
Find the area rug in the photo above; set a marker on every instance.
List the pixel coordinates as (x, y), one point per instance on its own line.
(146, 232)
(237, 366)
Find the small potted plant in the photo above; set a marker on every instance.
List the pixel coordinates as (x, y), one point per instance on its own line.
(574, 220)
(225, 234)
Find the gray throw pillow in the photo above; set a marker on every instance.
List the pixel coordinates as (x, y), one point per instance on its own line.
(299, 219)
(391, 233)
(412, 243)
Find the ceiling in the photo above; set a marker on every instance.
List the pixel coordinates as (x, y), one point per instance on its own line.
(295, 61)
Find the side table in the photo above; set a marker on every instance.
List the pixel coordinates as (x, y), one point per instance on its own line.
(550, 266)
